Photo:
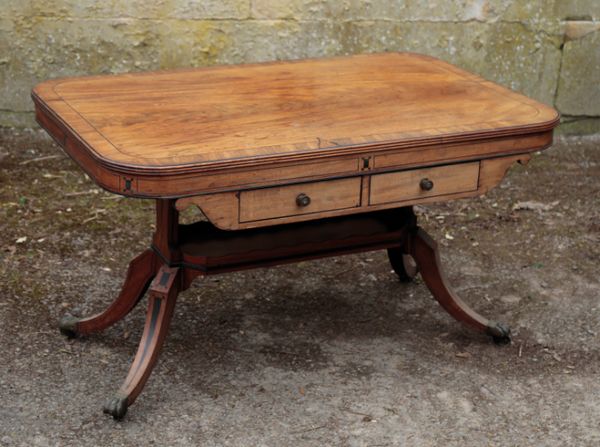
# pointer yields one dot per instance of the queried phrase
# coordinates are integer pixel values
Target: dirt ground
(334, 352)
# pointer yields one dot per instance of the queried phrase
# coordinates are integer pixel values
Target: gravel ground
(333, 352)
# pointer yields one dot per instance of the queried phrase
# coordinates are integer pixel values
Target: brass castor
(68, 326)
(116, 407)
(500, 333)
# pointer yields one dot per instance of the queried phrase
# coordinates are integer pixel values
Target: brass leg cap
(68, 326)
(116, 407)
(500, 333)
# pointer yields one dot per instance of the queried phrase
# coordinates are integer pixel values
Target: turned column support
(166, 236)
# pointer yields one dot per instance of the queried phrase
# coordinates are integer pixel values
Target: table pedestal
(180, 253)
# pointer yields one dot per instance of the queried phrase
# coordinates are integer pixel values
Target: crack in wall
(558, 76)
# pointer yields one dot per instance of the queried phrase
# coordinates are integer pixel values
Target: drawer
(421, 183)
(299, 199)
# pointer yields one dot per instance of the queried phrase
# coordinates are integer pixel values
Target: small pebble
(486, 393)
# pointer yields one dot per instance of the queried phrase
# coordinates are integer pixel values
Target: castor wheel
(500, 333)
(404, 265)
(68, 326)
(116, 407)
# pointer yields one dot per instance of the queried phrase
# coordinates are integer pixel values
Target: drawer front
(296, 200)
(421, 183)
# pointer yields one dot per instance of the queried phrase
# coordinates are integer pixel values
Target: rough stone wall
(547, 49)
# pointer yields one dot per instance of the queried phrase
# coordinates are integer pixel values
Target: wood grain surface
(392, 186)
(232, 116)
(280, 201)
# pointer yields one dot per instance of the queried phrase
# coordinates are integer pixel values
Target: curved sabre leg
(425, 252)
(161, 302)
(139, 275)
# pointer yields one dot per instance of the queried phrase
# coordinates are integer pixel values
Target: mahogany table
(288, 161)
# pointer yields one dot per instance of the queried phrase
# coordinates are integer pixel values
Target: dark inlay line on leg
(155, 312)
(164, 279)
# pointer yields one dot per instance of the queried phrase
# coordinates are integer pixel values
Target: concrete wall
(548, 49)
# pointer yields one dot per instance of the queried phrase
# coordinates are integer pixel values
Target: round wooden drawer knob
(302, 200)
(426, 184)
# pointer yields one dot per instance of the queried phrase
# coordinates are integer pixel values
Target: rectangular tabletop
(200, 119)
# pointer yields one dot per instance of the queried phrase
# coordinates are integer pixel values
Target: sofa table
(288, 161)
